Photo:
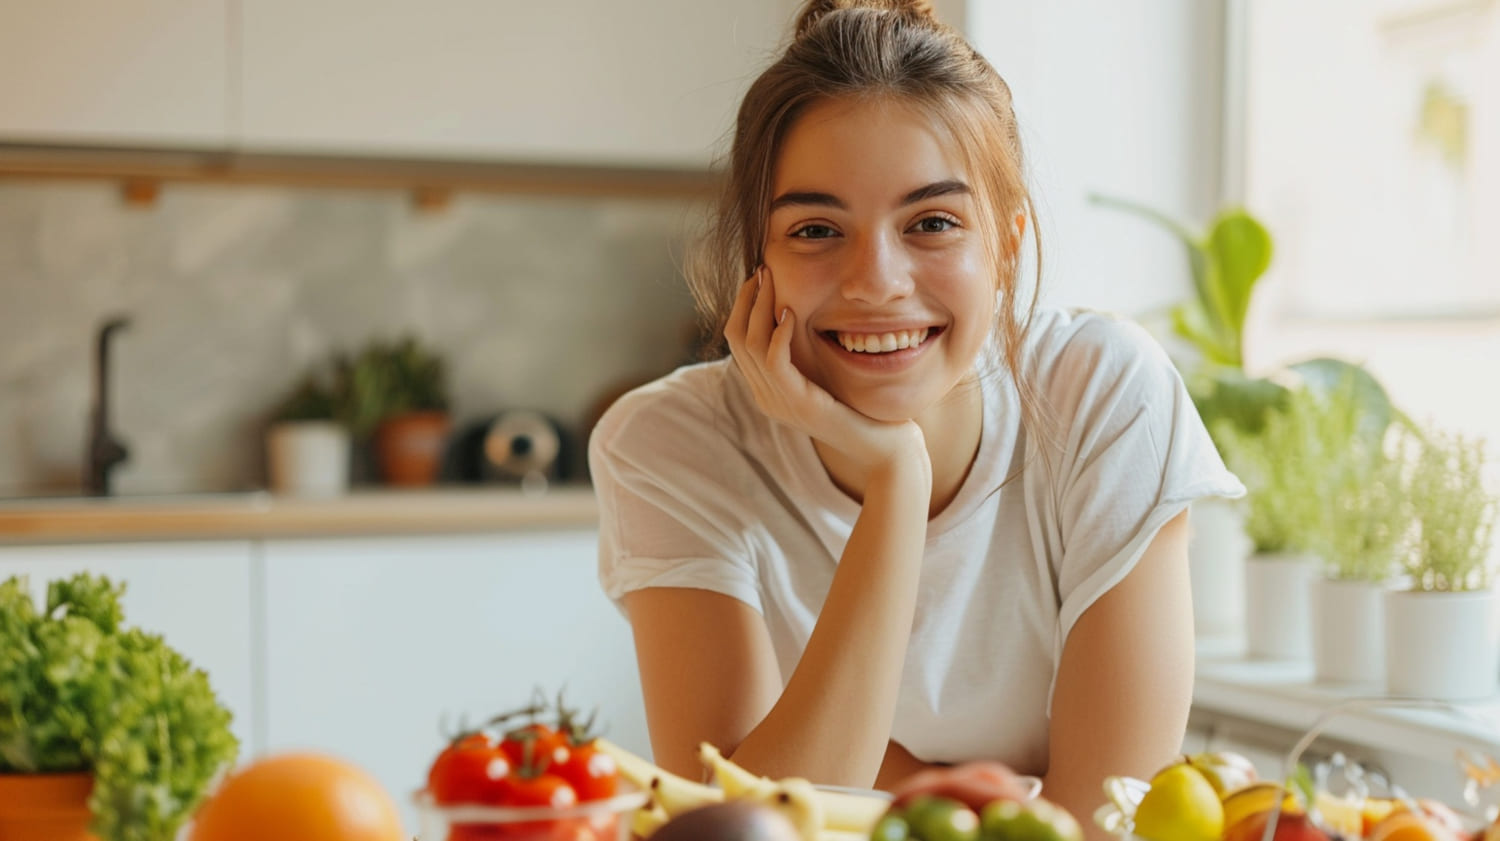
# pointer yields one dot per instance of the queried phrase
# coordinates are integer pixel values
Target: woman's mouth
(878, 343)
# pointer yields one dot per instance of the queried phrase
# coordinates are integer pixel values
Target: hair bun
(814, 10)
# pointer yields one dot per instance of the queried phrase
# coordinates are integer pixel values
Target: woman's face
(873, 242)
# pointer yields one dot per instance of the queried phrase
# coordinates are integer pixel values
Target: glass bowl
(593, 820)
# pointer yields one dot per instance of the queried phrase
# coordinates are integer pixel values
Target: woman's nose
(878, 271)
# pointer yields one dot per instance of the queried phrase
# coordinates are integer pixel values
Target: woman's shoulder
(690, 407)
(1085, 361)
(1083, 343)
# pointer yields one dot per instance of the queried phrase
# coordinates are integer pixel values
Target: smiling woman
(908, 521)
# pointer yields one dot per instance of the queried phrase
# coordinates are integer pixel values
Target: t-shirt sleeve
(1136, 455)
(667, 516)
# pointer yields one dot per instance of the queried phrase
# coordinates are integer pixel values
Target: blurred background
(268, 196)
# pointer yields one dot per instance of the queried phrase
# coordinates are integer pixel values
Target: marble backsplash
(538, 303)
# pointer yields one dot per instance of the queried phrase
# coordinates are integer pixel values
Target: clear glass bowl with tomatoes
(530, 783)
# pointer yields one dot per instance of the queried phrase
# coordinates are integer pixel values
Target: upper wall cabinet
(120, 73)
(584, 82)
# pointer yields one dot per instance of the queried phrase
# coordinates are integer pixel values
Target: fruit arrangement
(1220, 797)
(743, 805)
(538, 773)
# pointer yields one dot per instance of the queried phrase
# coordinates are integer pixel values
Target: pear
(1181, 805)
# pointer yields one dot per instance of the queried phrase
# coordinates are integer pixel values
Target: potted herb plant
(397, 394)
(1282, 466)
(1442, 640)
(307, 446)
(1365, 522)
(105, 732)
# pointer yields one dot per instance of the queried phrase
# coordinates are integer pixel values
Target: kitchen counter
(1284, 694)
(265, 515)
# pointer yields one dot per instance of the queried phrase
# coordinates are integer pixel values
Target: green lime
(1037, 820)
(892, 827)
(941, 819)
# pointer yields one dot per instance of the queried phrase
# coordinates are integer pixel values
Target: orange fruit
(1404, 825)
(298, 797)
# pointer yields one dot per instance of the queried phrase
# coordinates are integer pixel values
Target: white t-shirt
(698, 488)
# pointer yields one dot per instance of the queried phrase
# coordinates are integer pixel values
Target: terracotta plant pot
(409, 447)
(45, 807)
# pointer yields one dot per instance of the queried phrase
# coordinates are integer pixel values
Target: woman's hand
(760, 338)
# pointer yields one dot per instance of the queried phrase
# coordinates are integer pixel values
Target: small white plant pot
(1444, 646)
(1278, 596)
(308, 458)
(1217, 550)
(1348, 631)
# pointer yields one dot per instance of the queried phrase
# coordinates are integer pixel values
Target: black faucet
(104, 450)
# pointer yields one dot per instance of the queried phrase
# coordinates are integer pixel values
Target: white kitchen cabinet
(125, 72)
(372, 644)
(590, 81)
(197, 596)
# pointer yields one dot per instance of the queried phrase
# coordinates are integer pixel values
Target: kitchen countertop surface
(1285, 694)
(262, 514)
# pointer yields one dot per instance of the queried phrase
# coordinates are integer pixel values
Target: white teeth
(882, 342)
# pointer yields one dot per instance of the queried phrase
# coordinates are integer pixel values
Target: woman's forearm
(832, 723)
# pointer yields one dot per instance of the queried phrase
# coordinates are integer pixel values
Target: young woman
(907, 522)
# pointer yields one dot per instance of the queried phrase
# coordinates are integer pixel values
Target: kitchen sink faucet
(104, 450)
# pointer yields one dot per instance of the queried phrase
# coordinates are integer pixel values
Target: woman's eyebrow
(825, 199)
(935, 189)
(806, 197)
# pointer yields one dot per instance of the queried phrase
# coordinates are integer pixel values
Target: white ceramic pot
(1348, 628)
(308, 458)
(1278, 596)
(1216, 567)
(1444, 646)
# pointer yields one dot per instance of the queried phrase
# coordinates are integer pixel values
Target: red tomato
(548, 747)
(475, 832)
(540, 790)
(592, 773)
(470, 771)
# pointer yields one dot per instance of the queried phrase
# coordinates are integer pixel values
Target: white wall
(1124, 99)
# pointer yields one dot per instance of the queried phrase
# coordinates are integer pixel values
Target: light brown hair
(861, 50)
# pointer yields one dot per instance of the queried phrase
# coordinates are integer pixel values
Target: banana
(796, 799)
(670, 793)
(817, 815)
(841, 812)
(648, 819)
(735, 780)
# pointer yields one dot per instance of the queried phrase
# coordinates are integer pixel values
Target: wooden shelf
(427, 177)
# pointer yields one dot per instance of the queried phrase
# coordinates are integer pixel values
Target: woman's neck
(952, 429)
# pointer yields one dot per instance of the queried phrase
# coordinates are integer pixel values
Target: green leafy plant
(1226, 263)
(1366, 519)
(387, 379)
(311, 400)
(1453, 512)
(80, 693)
(1282, 466)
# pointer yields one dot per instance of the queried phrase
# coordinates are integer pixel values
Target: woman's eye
(935, 224)
(813, 232)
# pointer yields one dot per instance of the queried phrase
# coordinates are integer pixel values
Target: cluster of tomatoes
(533, 765)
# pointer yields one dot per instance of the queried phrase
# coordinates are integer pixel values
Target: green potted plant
(1226, 261)
(397, 394)
(307, 446)
(1364, 522)
(105, 731)
(1282, 466)
(1441, 635)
